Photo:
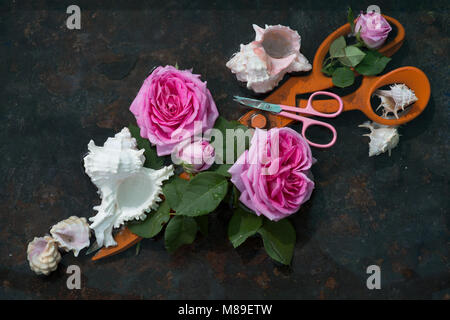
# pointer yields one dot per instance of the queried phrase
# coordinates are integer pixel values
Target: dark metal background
(60, 88)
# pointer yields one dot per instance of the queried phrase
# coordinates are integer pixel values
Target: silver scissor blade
(258, 104)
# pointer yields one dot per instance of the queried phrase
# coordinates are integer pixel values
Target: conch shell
(127, 189)
(43, 255)
(397, 98)
(382, 138)
(263, 62)
(71, 234)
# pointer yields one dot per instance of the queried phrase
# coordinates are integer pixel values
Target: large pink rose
(274, 176)
(373, 28)
(173, 105)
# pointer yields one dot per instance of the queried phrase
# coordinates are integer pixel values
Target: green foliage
(337, 47)
(154, 222)
(179, 231)
(222, 169)
(352, 56)
(343, 77)
(242, 225)
(151, 157)
(351, 19)
(202, 194)
(279, 240)
(173, 190)
(372, 64)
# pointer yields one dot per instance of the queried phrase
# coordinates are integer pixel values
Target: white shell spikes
(128, 190)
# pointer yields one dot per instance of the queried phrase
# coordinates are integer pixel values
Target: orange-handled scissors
(285, 111)
(359, 100)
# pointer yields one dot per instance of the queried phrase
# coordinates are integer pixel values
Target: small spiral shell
(43, 255)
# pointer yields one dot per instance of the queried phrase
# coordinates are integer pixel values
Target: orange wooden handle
(125, 239)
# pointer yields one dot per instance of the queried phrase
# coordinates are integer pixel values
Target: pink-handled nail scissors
(285, 111)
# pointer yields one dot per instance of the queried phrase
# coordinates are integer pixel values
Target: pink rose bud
(373, 29)
(195, 157)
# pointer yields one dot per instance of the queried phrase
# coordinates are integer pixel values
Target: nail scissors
(290, 112)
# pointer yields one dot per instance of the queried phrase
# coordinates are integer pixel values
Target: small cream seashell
(71, 234)
(43, 255)
(127, 189)
(263, 62)
(382, 138)
(397, 98)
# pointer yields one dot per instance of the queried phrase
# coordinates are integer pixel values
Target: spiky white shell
(127, 189)
(263, 62)
(397, 98)
(382, 138)
(71, 234)
(43, 255)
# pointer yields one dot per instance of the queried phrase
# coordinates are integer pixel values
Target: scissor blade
(258, 104)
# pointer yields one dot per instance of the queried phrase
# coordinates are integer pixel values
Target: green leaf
(203, 194)
(279, 240)
(372, 64)
(242, 225)
(154, 222)
(173, 191)
(337, 46)
(352, 56)
(351, 19)
(343, 77)
(202, 223)
(330, 67)
(179, 231)
(222, 169)
(151, 157)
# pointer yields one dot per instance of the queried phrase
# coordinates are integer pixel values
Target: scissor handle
(311, 122)
(310, 109)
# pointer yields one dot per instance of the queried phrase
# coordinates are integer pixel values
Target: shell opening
(39, 247)
(134, 192)
(65, 237)
(277, 44)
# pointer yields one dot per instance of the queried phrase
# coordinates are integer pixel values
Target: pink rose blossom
(373, 28)
(274, 176)
(195, 157)
(171, 106)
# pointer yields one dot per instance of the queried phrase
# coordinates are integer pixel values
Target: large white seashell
(382, 138)
(263, 62)
(71, 234)
(397, 98)
(43, 255)
(127, 189)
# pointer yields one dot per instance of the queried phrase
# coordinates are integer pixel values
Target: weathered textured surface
(60, 88)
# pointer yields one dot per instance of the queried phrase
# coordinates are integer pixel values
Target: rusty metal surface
(60, 88)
